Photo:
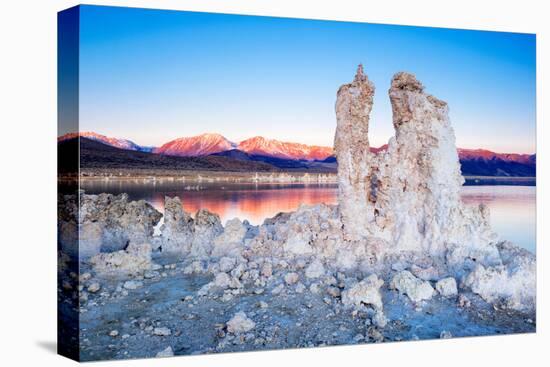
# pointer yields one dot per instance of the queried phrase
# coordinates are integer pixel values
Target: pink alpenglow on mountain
(487, 154)
(114, 142)
(195, 146)
(274, 148)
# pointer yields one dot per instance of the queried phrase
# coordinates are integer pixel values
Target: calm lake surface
(513, 208)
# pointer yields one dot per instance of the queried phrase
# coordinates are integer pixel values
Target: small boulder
(278, 289)
(291, 278)
(240, 323)
(132, 284)
(447, 287)
(227, 264)
(379, 319)
(136, 258)
(366, 291)
(416, 289)
(94, 287)
(511, 285)
(162, 331)
(445, 335)
(222, 280)
(266, 270)
(315, 270)
(334, 292)
(168, 352)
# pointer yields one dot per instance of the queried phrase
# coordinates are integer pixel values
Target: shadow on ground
(48, 345)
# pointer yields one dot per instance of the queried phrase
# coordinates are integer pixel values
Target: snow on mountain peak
(114, 142)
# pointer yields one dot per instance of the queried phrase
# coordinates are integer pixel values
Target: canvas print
(234, 183)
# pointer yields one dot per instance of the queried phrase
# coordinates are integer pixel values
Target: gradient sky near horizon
(154, 75)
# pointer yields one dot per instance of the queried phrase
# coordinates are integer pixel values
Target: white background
(28, 180)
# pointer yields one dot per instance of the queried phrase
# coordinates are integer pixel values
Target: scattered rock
(151, 274)
(136, 258)
(315, 269)
(94, 287)
(168, 352)
(227, 264)
(262, 304)
(417, 290)
(84, 277)
(222, 280)
(445, 335)
(162, 331)
(447, 287)
(430, 273)
(379, 319)
(366, 291)
(291, 278)
(132, 284)
(240, 323)
(267, 270)
(278, 289)
(314, 288)
(334, 292)
(464, 301)
(512, 284)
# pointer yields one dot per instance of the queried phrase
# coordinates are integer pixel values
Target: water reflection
(513, 208)
(513, 211)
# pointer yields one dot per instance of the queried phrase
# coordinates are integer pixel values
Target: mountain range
(292, 156)
(114, 142)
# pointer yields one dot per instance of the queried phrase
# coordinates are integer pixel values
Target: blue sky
(154, 75)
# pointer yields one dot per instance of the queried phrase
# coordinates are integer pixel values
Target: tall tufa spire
(360, 75)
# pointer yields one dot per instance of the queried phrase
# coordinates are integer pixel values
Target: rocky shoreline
(399, 258)
(144, 315)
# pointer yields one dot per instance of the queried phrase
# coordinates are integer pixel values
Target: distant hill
(498, 166)
(94, 154)
(281, 163)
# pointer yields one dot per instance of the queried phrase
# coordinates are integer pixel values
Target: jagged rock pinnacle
(406, 81)
(351, 146)
(359, 75)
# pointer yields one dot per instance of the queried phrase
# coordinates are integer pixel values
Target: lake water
(513, 208)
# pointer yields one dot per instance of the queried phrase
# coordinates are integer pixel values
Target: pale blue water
(513, 211)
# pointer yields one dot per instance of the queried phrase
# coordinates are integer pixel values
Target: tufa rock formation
(89, 224)
(352, 149)
(408, 195)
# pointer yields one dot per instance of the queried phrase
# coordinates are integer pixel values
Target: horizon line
(259, 136)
